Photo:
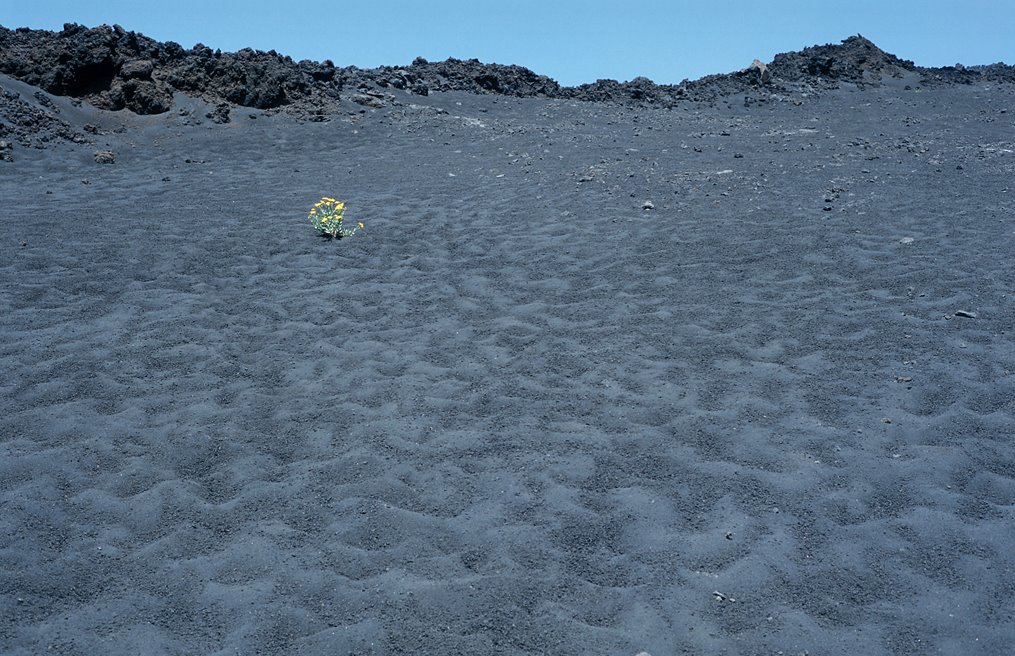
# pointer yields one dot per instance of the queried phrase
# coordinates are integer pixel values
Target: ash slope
(116, 69)
(519, 414)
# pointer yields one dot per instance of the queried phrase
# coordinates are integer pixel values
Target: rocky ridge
(114, 69)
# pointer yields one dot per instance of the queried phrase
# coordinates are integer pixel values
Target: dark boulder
(146, 96)
(220, 114)
(140, 69)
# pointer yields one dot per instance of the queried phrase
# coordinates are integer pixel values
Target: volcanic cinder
(723, 367)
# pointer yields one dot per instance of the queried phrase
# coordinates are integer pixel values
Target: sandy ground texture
(723, 379)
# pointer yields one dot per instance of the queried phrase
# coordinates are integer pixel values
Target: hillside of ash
(115, 69)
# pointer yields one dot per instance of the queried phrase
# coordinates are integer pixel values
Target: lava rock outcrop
(115, 69)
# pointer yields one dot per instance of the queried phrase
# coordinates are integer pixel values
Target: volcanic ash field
(723, 367)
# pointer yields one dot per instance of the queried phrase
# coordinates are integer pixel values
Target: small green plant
(326, 215)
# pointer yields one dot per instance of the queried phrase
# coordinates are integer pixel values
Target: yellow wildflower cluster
(327, 215)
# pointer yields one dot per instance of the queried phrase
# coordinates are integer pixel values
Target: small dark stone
(964, 313)
(104, 157)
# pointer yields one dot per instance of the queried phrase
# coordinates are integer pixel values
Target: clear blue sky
(569, 40)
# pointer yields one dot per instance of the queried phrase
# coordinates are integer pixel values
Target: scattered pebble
(964, 313)
(906, 240)
(104, 157)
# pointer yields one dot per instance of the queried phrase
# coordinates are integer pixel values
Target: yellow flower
(360, 224)
(324, 220)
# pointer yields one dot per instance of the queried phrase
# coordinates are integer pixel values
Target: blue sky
(571, 41)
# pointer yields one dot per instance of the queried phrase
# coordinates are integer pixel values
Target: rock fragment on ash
(140, 96)
(104, 157)
(220, 114)
(6, 151)
(367, 100)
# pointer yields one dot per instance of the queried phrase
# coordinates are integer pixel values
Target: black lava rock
(115, 69)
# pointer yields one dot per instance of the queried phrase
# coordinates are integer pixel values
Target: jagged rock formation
(856, 60)
(115, 69)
